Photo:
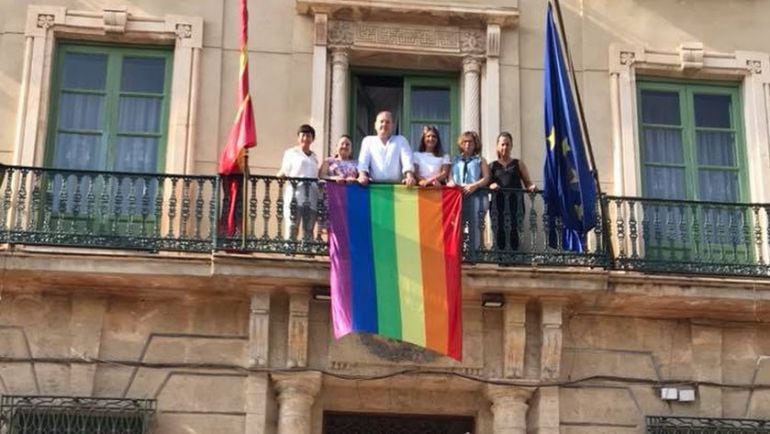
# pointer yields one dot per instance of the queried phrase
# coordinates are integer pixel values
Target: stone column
(509, 408)
(319, 81)
(339, 109)
(471, 86)
(296, 393)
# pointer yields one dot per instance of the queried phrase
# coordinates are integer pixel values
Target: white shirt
(296, 164)
(429, 165)
(385, 163)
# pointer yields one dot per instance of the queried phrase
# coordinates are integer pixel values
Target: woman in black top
(508, 173)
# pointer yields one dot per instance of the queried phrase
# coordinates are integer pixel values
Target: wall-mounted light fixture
(492, 300)
(321, 293)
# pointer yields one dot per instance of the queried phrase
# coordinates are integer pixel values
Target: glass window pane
(136, 154)
(81, 111)
(718, 185)
(84, 71)
(443, 134)
(663, 145)
(430, 103)
(716, 148)
(78, 151)
(143, 74)
(660, 107)
(712, 111)
(664, 183)
(139, 114)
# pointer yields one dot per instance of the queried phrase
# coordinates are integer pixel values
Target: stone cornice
(503, 16)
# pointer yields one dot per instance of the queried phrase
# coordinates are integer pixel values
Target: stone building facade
(231, 341)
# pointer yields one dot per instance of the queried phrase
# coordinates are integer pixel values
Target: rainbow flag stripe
(395, 263)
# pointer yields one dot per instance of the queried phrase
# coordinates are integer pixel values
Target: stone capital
(503, 395)
(340, 57)
(471, 65)
(296, 384)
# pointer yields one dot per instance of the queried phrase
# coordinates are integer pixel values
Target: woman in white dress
(431, 163)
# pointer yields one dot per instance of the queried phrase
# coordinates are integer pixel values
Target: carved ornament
(45, 21)
(115, 20)
(627, 58)
(183, 31)
(439, 39)
(754, 66)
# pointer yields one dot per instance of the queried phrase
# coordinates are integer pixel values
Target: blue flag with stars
(570, 191)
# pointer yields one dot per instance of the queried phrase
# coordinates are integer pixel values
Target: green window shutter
(691, 141)
(431, 101)
(109, 108)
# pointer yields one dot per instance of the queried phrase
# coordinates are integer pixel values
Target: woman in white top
(300, 162)
(431, 163)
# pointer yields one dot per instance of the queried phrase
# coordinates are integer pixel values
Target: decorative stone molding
(296, 393)
(493, 40)
(457, 12)
(751, 69)
(183, 31)
(321, 28)
(299, 305)
(115, 20)
(47, 23)
(367, 35)
(754, 66)
(691, 55)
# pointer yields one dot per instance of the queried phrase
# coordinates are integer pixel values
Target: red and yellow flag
(243, 134)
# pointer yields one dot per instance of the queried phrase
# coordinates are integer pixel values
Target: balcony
(157, 212)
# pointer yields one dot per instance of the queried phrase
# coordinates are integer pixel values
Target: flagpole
(244, 196)
(588, 146)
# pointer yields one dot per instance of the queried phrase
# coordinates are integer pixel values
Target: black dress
(508, 206)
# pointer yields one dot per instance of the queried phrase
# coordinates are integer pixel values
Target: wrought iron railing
(59, 414)
(702, 425)
(40, 206)
(690, 237)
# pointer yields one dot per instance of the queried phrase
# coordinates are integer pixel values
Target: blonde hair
(472, 135)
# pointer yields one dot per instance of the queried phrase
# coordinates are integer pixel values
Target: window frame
(112, 92)
(411, 78)
(686, 90)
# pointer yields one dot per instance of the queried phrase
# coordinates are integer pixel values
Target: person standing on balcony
(300, 162)
(471, 172)
(431, 164)
(508, 177)
(385, 157)
(341, 167)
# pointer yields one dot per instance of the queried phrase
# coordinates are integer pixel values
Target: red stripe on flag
(451, 200)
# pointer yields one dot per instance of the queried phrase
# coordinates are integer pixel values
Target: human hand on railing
(409, 180)
(351, 179)
(494, 186)
(363, 179)
(532, 188)
(451, 184)
(469, 189)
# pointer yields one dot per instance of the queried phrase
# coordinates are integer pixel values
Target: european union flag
(570, 191)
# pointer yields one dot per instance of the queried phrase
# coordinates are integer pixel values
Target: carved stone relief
(443, 39)
(45, 21)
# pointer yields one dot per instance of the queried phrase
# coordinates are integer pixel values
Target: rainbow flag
(395, 263)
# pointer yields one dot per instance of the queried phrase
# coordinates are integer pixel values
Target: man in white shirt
(385, 157)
